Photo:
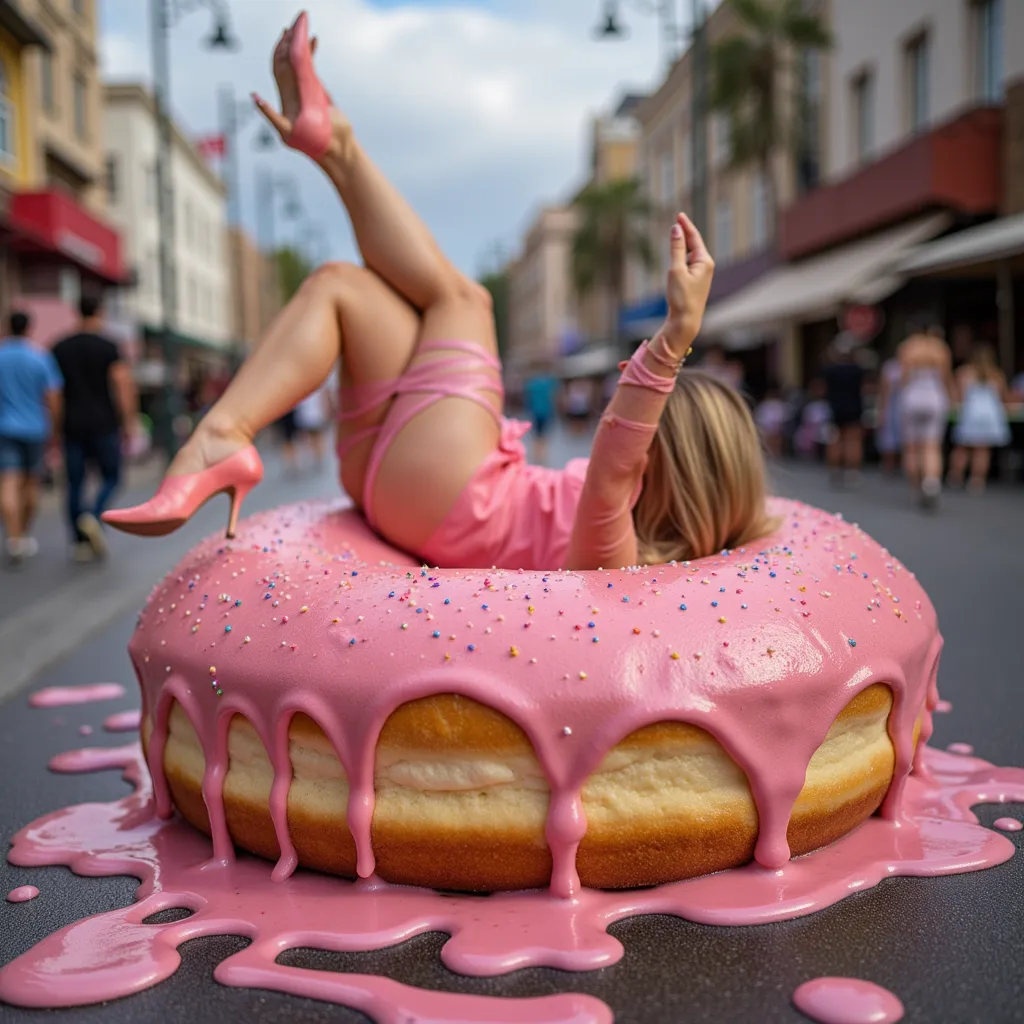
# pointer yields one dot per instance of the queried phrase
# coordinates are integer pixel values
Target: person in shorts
(30, 406)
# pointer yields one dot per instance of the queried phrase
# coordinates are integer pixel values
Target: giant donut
(313, 696)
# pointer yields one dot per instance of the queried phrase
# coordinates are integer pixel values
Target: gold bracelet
(674, 365)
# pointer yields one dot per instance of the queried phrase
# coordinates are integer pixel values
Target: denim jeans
(104, 452)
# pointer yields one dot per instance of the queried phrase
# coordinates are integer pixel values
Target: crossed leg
(376, 319)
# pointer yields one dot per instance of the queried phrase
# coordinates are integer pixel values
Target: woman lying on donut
(676, 469)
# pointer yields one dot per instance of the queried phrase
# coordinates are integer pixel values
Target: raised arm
(603, 534)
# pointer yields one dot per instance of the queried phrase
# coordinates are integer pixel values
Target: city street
(947, 946)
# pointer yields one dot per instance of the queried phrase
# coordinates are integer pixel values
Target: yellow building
(54, 242)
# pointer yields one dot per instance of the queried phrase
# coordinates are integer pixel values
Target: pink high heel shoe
(180, 497)
(311, 130)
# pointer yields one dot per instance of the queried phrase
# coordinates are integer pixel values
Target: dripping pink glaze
(123, 721)
(943, 707)
(847, 1001)
(115, 954)
(1008, 824)
(22, 894)
(768, 683)
(59, 696)
(960, 748)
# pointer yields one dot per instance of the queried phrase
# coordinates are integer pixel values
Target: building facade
(254, 284)
(203, 320)
(54, 239)
(547, 318)
(542, 303)
(920, 98)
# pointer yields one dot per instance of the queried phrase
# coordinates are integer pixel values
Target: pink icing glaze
(847, 1001)
(123, 721)
(761, 647)
(1008, 824)
(58, 696)
(85, 730)
(960, 748)
(22, 894)
(115, 954)
(943, 707)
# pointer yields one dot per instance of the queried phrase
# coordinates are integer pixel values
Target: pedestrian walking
(30, 402)
(844, 392)
(925, 394)
(982, 423)
(887, 429)
(100, 412)
(313, 415)
(540, 393)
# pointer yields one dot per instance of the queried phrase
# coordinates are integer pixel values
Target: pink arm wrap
(603, 535)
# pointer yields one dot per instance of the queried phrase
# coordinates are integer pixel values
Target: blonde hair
(983, 360)
(704, 486)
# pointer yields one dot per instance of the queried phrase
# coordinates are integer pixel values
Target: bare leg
(11, 503)
(912, 463)
(393, 240)
(957, 466)
(981, 459)
(931, 468)
(29, 501)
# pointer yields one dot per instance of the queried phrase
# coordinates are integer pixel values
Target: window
(80, 100)
(46, 81)
(111, 178)
(723, 140)
(6, 119)
(918, 64)
(723, 231)
(667, 177)
(759, 212)
(808, 163)
(687, 161)
(191, 302)
(189, 224)
(864, 115)
(988, 50)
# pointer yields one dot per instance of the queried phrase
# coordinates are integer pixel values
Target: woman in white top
(981, 424)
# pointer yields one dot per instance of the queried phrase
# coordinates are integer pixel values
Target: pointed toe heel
(180, 497)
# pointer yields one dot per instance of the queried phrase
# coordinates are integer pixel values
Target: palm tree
(758, 80)
(613, 218)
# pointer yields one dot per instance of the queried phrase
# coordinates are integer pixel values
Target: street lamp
(673, 40)
(164, 15)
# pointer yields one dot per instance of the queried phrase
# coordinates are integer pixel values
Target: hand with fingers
(689, 281)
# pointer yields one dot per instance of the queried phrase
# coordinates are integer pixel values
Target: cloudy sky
(477, 109)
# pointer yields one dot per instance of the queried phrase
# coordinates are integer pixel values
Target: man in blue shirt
(30, 398)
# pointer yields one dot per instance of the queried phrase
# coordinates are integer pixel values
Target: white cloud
(478, 114)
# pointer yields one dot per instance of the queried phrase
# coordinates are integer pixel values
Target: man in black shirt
(100, 406)
(844, 381)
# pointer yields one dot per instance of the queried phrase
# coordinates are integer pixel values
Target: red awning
(54, 222)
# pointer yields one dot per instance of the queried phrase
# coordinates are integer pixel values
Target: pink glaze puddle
(85, 730)
(22, 894)
(943, 707)
(123, 721)
(960, 748)
(114, 954)
(60, 696)
(1008, 824)
(847, 1001)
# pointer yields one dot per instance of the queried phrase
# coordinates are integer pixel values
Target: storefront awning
(987, 243)
(643, 318)
(52, 222)
(22, 29)
(814, 288)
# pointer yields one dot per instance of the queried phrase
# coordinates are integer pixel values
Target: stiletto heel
(180, 497)
(311, 130)
(237, 494)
